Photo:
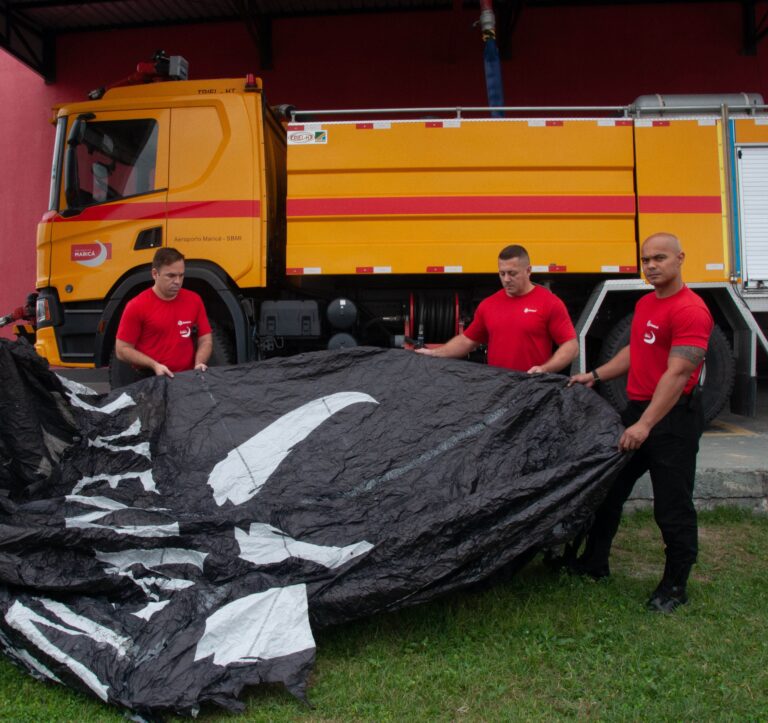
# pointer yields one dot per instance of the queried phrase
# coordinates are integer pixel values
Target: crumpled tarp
(174, 541)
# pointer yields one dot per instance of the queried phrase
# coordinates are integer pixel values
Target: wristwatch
(595, 375)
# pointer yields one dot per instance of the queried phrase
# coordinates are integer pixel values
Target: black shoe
(588, 568)
(667, 599)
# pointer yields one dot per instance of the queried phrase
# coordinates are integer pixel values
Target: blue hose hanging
(493, 84)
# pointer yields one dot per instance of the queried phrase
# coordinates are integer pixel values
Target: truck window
(58, 150)
(111, 160)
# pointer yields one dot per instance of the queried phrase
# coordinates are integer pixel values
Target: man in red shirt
(521, 323)
(156, 331)
(664, 419)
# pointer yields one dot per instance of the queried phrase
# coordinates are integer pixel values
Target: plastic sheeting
(174, 541)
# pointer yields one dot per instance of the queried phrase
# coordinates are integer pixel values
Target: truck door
(752, 163)
(111, 215)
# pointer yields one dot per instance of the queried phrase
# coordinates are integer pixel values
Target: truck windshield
(109, 160)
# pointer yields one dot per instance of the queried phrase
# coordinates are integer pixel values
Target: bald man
(664, 419)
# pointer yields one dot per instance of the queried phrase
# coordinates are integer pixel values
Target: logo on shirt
(186, 331)
(649, 337)
(526, 310)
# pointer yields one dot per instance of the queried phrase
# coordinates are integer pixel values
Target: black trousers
(669, 454)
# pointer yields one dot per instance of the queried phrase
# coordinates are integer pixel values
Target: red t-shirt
(162, 329)
(520, 330)
(659, 324)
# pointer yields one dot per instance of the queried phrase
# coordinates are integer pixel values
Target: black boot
(670, 593)
(667, 598)
(593, 562)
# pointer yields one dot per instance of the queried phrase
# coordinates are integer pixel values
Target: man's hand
(425, 351)
(161, 370)
(634, 436)
(587, 379)
(537, 370)
(201, 367)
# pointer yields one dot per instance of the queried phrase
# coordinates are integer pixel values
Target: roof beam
(259, 27)
(754, 31)
(507, 15)
(27, 43)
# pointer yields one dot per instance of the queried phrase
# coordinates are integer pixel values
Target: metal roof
(28, 28)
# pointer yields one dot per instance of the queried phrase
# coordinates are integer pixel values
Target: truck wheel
(717, 374)
(120, 373)
(223, 349)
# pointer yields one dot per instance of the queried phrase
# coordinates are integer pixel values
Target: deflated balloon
(174, 541)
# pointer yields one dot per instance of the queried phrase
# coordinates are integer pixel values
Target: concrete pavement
(732, 464)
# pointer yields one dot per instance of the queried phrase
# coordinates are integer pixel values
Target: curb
(744, 488)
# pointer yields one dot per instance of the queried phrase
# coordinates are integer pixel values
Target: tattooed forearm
(693, 354)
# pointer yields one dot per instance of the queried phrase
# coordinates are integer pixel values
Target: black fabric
(669, 454)
(184, 533)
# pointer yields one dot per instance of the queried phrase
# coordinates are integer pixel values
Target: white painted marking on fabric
(35, 664)
(122, 402)
(152, 559)
(242, 473)
(26, 621)
(150, 609)
(266, 545)
(134, 530)
(261, 626)
(88, 627)
(76, 387)
(113, 480)
(141, 449)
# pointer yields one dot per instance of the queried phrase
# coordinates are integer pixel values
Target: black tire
(223, 349)
(122, 374)
(718, 374)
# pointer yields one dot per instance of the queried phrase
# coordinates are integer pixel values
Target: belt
(684, 401)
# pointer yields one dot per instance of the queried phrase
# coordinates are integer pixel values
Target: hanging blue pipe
(491, 61)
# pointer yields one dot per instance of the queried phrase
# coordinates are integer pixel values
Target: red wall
(588, 55)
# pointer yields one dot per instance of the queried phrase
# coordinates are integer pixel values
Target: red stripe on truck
(141, 210)
(413, 205)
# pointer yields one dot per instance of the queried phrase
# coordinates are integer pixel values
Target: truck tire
(122, 374)
(223, 349)
(717, 374)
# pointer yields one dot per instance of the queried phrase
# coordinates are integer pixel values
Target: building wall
(605, 55)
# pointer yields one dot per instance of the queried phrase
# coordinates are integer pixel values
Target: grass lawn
(539, 646)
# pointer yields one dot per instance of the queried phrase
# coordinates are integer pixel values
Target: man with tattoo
(664, 419)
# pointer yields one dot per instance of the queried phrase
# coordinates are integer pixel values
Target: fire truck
(308, 230)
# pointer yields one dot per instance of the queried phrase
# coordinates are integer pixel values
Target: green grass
(539, 646)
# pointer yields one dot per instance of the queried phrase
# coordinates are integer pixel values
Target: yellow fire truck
(327, 229)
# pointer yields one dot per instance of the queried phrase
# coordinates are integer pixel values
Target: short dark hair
(165, 257)
(515, 251)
